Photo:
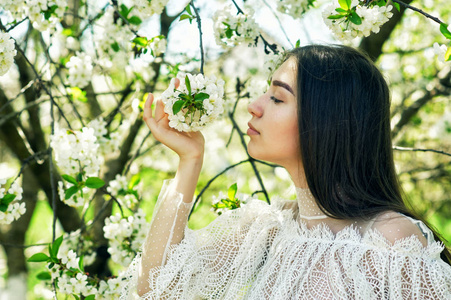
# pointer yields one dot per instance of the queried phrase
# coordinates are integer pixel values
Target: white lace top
(263, 251)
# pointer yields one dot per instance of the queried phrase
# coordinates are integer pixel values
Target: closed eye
(276, 100)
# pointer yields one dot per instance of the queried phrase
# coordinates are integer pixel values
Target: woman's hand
(188, 145)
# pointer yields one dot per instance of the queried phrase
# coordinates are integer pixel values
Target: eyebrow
(284, 85)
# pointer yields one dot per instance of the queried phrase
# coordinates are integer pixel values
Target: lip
(252, 130)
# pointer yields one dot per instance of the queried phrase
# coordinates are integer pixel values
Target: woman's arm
(175, 202)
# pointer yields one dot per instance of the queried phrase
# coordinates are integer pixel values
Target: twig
(9, 116)
(419, 11)
(238, 8)
(213, 179)
(23, 90)
(422, 150)
(199, 26)
(280, 23)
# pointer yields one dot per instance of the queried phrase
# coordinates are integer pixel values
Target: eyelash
(276, 100)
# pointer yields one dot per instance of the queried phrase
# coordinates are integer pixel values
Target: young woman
(325, 118)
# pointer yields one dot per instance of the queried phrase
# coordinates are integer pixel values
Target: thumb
(176, 83)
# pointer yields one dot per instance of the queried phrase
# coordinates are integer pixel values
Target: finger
(176, 83)
(147, 114)
(159, 110)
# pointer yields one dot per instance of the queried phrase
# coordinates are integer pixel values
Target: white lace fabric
(260, 251)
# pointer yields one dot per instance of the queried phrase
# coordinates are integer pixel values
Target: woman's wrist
(187, 176)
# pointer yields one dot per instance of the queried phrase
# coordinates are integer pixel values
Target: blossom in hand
(197, 102)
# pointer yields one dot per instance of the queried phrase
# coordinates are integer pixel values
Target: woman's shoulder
(395, 227)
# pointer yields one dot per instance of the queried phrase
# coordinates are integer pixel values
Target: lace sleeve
(166, 229)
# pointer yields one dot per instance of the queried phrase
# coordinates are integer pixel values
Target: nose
(255, 108)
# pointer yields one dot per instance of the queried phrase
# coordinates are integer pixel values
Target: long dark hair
(345, 136)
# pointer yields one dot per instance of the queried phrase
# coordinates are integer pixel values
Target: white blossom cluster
(440, 50)
(74, 240)
(158, 45)
(212, 106)
(7, 52)
(77, 199)
(14, 7)
(243, 198)
(294, 8)
(76, 151)
(232, 29)
(15, 209)
(145, 8)
(372, 19)
(112, 41)
(79, 283)
(36, 10)
(125, 235)
(118, 188)
(272, 62)
(108, 142)
(80, 70)
(256, 88)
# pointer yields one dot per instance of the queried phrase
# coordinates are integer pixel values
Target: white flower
(75, 150)
(7, 52)
(294, 8)
(158, 45)
(372, 17)
(15, 209)
(70, 259)
(145, 8)
(440, 51)
(193, 118)
(125, 236)
(35, 9)
(232, 29)
(80, 70)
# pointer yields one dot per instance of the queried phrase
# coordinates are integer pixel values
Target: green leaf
(44, 276)
(201, 96)
(94, 183)
(177, 106)
(134, 181)
(70, 192)
(444, 30)
(7, 199)
(90, 297)
(229, 33)
(298, 43)
(355, 18)
(345, 4)
(124, 11)
(333, 17)
(140, 40)
(341, 10)
(3, 207)
(80, 264)
(69, 179)
(188, 9)
(135, 20)
(232, 191)
(38, 257)
(448, 54)
(184, 17)
(78, 94)
(115, 46)
(397, 6)
(188, 84)
(56, 246)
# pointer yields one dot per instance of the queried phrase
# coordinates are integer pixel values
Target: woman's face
(273, 128)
